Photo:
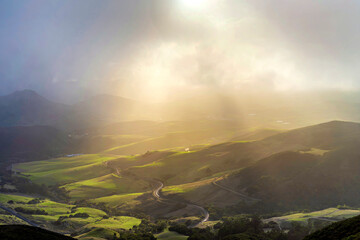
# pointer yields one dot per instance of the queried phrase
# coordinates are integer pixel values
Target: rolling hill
(343, 230)
(324, 175)
(315, 167)
(312, 167)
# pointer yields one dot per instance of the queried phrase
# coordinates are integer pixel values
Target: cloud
(153, 48)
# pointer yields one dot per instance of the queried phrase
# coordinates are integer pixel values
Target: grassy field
(186, 188)
(98, 233)
(170, 140)
(4, 198)
(121, 200)
(105, 185)
(6, 219)
(169, 235)
(333, 214)
(316, 151)
(115, 223)
(186, 167)
(96, 218)
(66, 170)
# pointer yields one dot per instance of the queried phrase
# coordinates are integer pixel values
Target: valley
(177, 173)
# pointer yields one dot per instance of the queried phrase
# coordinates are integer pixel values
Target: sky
(152, 49)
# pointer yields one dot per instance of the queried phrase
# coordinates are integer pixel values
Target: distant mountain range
(27, 108)
(32, 143)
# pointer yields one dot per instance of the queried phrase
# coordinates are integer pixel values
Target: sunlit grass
(169, 235)
(333, 213)
(66, 170)
(316, 151)
(62, 163)
(6, 219)
(55, 210)
(184, 188)
(105, 185)
(129, 200)
(4, 198)
(116, 223)
(101, 233)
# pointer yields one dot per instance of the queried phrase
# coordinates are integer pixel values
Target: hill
(66, 170)
(327, 135)
(137, 137)
(27, 108)
(322, 172)
(208, 160)
(313, 167)
(30, 143)
(343, 230)
(16, 232)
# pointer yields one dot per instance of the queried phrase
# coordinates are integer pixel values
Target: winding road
(156, 194)
(156, 191)
(14, 213)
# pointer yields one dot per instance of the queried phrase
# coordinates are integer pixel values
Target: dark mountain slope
(275, 169)
(232, 155)
(307, 180)
(26, 108)
(18, 232)
(31, 143)
(348, 229)
(324, 136)
(290, 170)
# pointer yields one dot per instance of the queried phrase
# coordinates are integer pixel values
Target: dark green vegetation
(17, 232)
(348, 229)
(242, 228)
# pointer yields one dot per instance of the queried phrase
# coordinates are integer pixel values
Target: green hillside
(105, 185)
(67, 169)
(172, 140)
(348, 229)
(303, 179)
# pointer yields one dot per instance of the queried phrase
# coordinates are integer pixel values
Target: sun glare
(193, 4)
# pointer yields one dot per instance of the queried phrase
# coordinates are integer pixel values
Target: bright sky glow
(193, 4)
(71, 49)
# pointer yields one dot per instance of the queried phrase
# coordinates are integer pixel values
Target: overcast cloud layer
(71, 49)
